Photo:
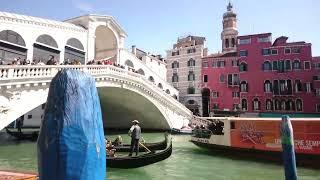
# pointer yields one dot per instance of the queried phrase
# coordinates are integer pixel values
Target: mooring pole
(289, 159)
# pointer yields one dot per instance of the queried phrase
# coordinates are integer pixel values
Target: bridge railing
(10, 74)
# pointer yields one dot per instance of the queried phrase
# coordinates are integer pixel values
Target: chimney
(134, 50)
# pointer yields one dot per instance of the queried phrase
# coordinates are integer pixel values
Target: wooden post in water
(289, 158)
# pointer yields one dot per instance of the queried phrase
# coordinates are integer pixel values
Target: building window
(29, 116)
(283, 105)
(191, 62)
(317, 92)
(215, 106)
(298, 85)
(269, 105)
(296, 65)
(256, 104)
(243, 53)
(205, 64)
(299, 105)
(175, 53)
(233, 79)
(274, 65)
(277, 104)
(233, 42)
(227, 43)
(193, 50)
(175, 78)
(274, 51)
(265, 52)
(287, 65)
(276, 87)
(307, 65)
(205, 78)
(215, 94)
(191, 90)
(264, 39)
(244, 105)
(243, 67)
(281, 66)
(296, 50)
(191, 76)
(245, 41)
(175, 64)
(287, 51)
(221, 63)
(243, 86)
(308, 87)
(235, 94)
(316, 78)
(235, 63)
(317, 65)
(267, 66)
(222, 78)
(318, 108)
(267, 86)
(214, 64)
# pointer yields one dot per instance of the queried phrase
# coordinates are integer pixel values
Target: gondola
(31, 136)
(152, 146)
(144, 159)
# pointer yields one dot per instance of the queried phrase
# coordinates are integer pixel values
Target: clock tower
(230, 31)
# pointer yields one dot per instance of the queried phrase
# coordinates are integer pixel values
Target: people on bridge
(135, 133)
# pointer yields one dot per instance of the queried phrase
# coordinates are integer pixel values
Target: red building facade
(262, 76)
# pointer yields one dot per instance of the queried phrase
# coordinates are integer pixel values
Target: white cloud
(83, 6)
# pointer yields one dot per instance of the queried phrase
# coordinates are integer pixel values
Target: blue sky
(154, 25)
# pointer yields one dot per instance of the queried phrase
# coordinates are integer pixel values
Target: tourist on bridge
(135, 133)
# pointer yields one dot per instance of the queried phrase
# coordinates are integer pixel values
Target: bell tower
(230, 31)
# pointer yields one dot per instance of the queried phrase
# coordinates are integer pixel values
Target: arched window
(12, 46)
(168, 91)
(269, 105)
(287, 65)
(140, 71)
(296, 65)
(277, 104)
(46, 48)
(151, 79)
(191, 76)
(74, 51)
(129, 63)
(175, 64)
(191, 62)
(244, 105)
(160, 86)
(175, 78)
(299, 105)
(267, 86)
(298, 85)
(243, 67)
(283, 105)
(243, 86)
(267, 66)
(227, 43)
(191, 90)
(233, 42)
(256, 104)
(289, 105)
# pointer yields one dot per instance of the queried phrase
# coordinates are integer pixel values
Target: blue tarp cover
(71, 142)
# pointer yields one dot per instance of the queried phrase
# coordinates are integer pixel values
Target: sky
(155, 25)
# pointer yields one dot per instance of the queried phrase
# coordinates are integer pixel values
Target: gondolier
(135, 133)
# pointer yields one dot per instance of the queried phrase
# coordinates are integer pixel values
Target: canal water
(186, 162)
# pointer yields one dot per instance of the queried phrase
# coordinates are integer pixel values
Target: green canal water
(187, 162)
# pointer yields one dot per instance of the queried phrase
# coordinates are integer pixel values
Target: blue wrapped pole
(289, 158)
(71, 143)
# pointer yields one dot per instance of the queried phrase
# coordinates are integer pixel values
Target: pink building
(259, 75)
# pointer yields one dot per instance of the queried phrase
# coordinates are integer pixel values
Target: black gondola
(140, 160)
(31, 136)
(151, 146)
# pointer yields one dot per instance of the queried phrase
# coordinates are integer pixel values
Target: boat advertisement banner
(265, 135)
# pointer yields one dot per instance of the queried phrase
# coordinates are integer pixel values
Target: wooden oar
(144, 146)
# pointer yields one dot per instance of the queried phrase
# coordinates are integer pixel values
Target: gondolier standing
(135, 133)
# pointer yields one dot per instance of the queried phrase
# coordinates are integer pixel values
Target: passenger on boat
(118, 141)
(135, 133)
(110, 149)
